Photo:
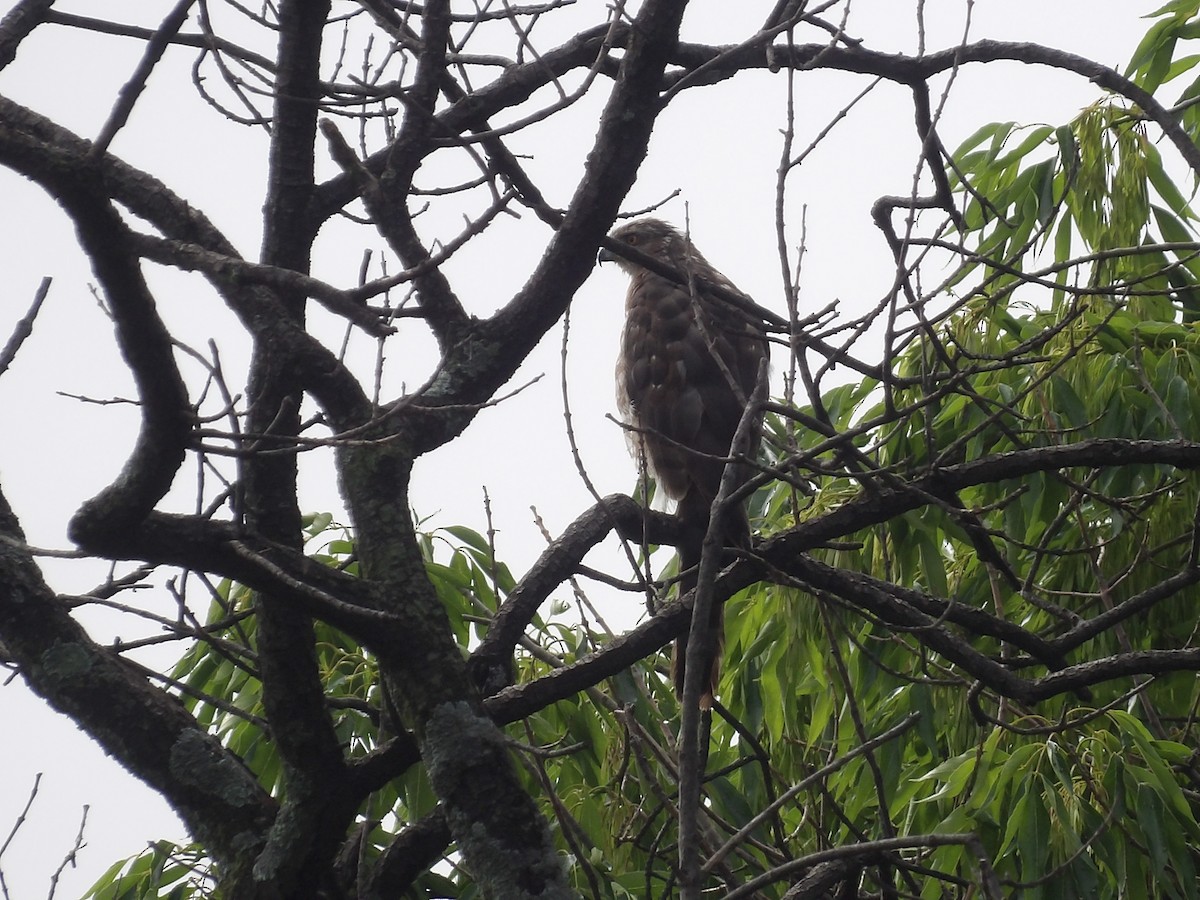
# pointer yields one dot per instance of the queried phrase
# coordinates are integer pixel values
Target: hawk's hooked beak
(606, 255)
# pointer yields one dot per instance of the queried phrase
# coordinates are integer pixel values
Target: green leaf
(820, 716)
(1035, 138)
(1150, 821)
(933, 565)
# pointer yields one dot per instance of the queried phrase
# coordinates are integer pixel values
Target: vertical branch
(317, 810)
(702, 644)
(885, 823)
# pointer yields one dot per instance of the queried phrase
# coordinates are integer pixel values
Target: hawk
(688, 365)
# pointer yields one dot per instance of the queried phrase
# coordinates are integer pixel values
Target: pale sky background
(718, 146)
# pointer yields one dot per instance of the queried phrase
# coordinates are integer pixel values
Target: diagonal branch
(24, 327)
(903, 607)
(389, 210)
(491, 663)
(129, 93)
(146, 730)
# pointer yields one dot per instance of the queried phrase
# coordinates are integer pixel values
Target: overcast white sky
(718, 146)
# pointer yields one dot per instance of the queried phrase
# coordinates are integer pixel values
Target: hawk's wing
(687, 369)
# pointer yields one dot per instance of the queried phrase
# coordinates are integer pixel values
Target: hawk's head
(654, 237)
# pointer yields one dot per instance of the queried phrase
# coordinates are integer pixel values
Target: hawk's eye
(631, 240)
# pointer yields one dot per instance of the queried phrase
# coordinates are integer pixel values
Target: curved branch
(410, 853)
(16, 25)
(910, 70)
(491, 663)
(145, 343)
(890, 604)
(883, 600)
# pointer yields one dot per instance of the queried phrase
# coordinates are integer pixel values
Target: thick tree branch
(17, 24)
(318, 810)
(877, 507)
(143, 728)
(414, 850)
(146, 345)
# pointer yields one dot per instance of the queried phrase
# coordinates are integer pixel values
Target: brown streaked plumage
(688, 365)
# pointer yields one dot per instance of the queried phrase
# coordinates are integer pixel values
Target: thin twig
(24, 326)
(69, 859)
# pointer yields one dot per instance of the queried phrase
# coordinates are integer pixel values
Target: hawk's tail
(693, 520)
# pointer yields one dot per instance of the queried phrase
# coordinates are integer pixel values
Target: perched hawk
(688, 366)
